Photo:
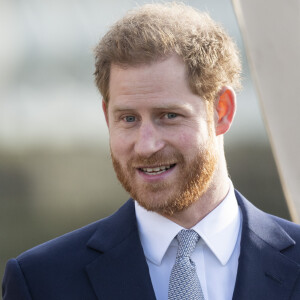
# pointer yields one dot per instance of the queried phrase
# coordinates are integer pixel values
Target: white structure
(271, 31)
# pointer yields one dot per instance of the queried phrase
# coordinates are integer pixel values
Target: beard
(167, 197)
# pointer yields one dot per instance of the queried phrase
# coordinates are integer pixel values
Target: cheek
(184, 139)
(191, 142)
(189, 139)
(119, 143)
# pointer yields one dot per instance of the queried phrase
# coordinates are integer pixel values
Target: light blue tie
(184, 283)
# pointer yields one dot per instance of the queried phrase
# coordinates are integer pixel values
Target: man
(167, 74)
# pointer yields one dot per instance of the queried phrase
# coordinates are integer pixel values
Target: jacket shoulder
(290, 227)
(293, 230)
(76, 242)
(65, 248)
(58, 263)
(59, 266)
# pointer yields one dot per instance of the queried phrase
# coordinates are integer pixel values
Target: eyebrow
(173, 107)
(158, 108)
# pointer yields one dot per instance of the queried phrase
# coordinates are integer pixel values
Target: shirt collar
(219, 230)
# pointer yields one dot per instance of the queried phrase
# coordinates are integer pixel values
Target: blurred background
(55, 169)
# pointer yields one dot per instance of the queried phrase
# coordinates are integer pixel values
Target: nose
(149, 140)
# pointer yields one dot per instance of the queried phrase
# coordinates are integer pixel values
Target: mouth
(156, 170)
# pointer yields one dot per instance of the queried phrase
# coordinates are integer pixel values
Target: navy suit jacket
(105, 260)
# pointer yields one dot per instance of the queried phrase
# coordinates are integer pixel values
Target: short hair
(156, 31)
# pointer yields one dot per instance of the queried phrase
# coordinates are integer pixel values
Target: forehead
(167, 76)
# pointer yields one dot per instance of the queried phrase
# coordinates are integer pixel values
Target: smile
(156, 170)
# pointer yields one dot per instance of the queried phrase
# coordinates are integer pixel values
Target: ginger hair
(156, 31)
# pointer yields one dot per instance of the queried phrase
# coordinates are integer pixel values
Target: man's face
(162, 138)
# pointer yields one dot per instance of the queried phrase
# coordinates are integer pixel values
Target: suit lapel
(264, 271)
(120, 271)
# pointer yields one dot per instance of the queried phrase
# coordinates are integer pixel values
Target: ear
(105, 111)
(225, 109)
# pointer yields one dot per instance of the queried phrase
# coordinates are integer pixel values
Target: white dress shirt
(216, 254)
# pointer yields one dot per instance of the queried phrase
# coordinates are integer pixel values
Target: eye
(129, 119)
(170, 115)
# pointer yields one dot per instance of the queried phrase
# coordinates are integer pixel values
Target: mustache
(156, 159)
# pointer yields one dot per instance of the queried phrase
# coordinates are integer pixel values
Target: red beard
(165, 197)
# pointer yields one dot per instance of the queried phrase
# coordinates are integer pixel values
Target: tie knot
(187, 240)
